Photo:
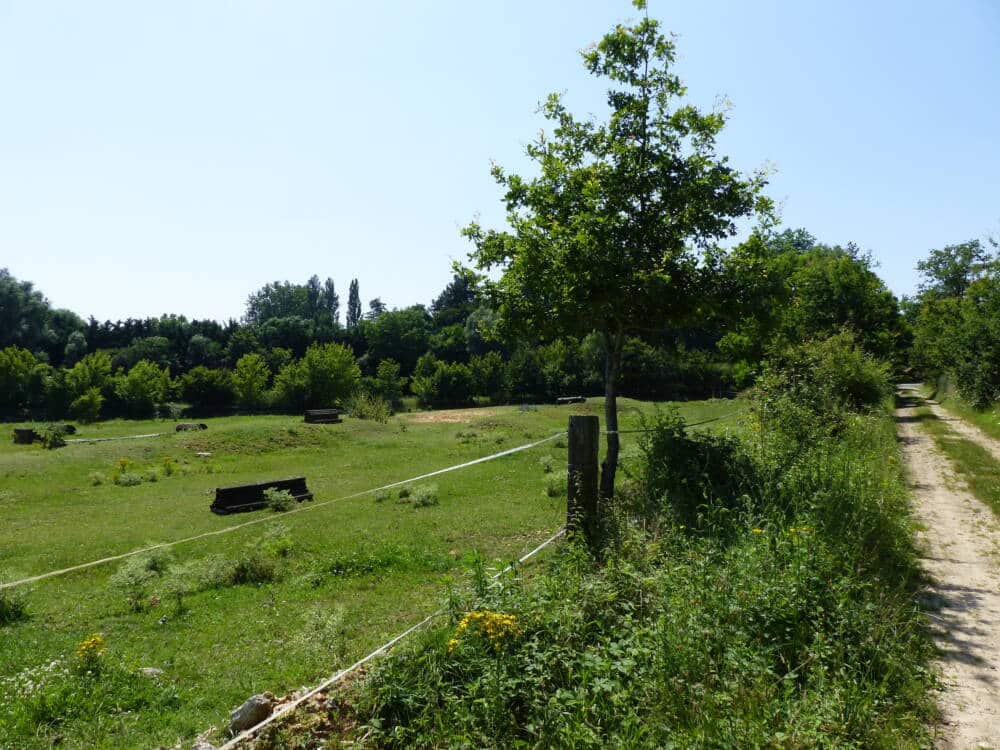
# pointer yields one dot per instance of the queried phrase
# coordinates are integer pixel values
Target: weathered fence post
(582, 478)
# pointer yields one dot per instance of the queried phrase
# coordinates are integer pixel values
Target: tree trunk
(612, 366)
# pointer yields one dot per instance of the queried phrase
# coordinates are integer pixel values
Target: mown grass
(237, 614)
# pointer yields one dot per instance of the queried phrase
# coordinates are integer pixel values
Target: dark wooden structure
(570, 400)
(25, 436)
(183, 426)
(245, 497)
(583, 511)
(323, 416)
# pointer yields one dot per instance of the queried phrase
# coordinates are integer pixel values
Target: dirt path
(965, 429)
(963, 596)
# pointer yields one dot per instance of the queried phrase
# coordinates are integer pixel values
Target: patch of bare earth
(962, 598)
(450, 415)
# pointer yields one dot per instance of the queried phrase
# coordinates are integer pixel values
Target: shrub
(52, 437)
(12, 607)
(555, 486)
(253, 567)
(279, 500)
(442, 384)
(325, 376)
(381, 496)
(96, 478)
(136, 574)
(127, 479)
(277, 540)
(365, 405)
(807, 392)
(87, 407)
(404, 493)
(425, 495)
(546, 464)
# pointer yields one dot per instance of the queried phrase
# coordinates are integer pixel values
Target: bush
(87, 407)
(136, 574)
(324, 377)
(52, 437)
(555, 486)
(807, 392)
(369, 406)
(279, 500)
(253, 567)
(425, 495)
(448, 384)
(12, 607)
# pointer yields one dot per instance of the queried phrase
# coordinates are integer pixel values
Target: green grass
(787, 618)
(975, 464)
(347, 577)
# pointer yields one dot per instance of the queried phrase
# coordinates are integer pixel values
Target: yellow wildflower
(758, 531)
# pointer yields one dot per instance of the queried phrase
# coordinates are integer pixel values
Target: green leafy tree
(325, 376)
(402, 335)
(601, 240)
(93, 371)
(142, 388)
(16, 366)
(250, 381)
(388, 383)
(353, 305)
(207, 389)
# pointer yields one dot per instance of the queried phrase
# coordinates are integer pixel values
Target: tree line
(769, 291)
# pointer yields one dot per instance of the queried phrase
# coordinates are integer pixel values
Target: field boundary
(294, 511)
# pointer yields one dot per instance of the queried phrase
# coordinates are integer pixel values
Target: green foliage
(602, 238)
(136, 575)
(401, 335)
(208, 390)
(13, 607)
(250, 379)
(16, 366)
(807, 391)
(144, 387)
(325, 376)
(425, 495)
(388, 384)
(365, 405)
(37, 702)
(442, 384)
(791, 621)
(785, 289)
(279, 500)
(87, 406)
(53, 436)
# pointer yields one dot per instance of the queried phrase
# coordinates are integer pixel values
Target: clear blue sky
(173, 157)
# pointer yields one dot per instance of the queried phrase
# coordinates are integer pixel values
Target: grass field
(273, 606)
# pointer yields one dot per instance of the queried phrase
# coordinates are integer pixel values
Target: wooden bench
(184, 426)
(562, 400)
(245, 497)
(323, 416)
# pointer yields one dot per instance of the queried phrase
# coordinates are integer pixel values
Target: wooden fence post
(582, 478)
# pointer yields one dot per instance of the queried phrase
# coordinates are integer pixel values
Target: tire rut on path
(962, 597)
